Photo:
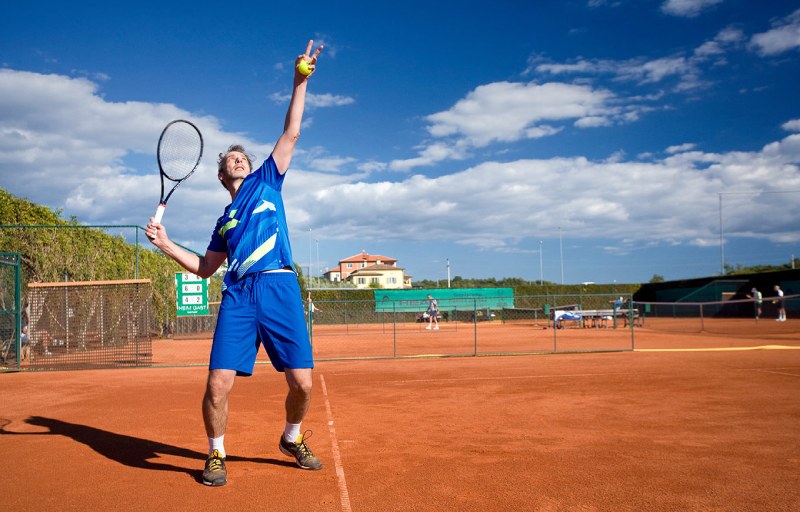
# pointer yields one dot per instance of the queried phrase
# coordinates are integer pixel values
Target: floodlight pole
(310, 260)
(448, 272)
(561, 249)
(721, 240)
(541, 268)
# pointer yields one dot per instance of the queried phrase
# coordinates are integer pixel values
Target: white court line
(509, 377)
(337, 459)
(720, 349)
(773, 370)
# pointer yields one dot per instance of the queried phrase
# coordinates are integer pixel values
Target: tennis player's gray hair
(223, 156)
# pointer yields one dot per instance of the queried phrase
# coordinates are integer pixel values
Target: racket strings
(179, 150)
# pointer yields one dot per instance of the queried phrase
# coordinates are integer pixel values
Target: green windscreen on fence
(461, 299)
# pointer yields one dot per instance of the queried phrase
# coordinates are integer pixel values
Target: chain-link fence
(80, 325)
(13, 342)
(548, 323)
(379, 329)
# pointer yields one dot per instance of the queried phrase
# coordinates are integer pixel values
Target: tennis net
(741, 317)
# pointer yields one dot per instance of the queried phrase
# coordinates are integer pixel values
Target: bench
(594, 317)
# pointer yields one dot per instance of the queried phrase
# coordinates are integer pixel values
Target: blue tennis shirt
(252, 230)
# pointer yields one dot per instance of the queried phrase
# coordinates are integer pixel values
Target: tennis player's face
(236, 164)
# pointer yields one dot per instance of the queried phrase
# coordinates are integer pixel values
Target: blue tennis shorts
(263, 308)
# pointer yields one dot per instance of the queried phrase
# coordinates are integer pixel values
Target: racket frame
(162, 204)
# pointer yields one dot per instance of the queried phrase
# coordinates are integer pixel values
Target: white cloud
(96, 158)
(792, 126)
(639, 70)
(330, 163)
(685, 67)
(672, 199)
(315, 100)
(372, 166)
(428, 156)
(592, 122)
(687, 8)
(681, 148)
(727, 38)
(506, 111)
(784, 36)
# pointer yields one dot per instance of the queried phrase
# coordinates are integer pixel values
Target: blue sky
(608, 134)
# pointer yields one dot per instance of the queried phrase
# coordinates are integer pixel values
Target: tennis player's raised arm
(284, 148)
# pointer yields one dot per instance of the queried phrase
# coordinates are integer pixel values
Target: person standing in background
(757, 300)
(779, 302)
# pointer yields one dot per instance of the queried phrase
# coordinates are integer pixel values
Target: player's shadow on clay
(131, 451)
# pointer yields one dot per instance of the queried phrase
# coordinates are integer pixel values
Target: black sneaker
(214, 473)
(300, 451)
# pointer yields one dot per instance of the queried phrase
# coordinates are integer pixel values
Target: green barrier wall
(400, 301)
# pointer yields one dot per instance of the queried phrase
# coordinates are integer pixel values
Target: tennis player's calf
(300, 381)
(215, 401)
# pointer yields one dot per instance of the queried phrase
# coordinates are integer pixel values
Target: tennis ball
(303, 68)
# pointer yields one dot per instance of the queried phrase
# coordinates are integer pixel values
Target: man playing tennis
(261, 301)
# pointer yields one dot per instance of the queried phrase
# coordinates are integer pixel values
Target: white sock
(217, 443)
(291, 432)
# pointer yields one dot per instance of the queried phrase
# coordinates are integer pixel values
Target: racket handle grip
(159, 213)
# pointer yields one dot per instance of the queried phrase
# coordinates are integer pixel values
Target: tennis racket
(180, 149)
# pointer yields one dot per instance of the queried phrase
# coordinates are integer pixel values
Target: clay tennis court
(685, 422)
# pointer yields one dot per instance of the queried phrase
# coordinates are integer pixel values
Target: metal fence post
(555, 326)
(475, 326)
(702, 324)
(394, 329)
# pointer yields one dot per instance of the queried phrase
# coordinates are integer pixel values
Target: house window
(349, 265)
(362, 280)
(374, 280)
(363, 264)
(392, 280)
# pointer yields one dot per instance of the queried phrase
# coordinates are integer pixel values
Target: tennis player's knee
(219, 385)
(300, 381)
(301, 390)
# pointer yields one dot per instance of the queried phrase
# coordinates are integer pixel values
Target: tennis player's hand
(310, 59)
(157, 233)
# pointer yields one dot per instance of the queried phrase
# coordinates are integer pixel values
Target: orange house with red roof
(370, 271)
